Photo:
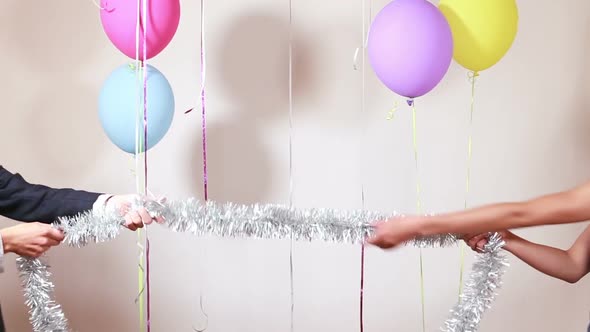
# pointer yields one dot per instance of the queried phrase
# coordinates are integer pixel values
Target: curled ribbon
(101, 7)
(392, 111)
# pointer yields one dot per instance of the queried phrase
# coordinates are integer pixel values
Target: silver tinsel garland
(480, 289)
(262, 221)
(44, 313)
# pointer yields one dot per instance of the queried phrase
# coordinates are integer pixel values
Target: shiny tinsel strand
(44, 313)
(262, 221)
(267, 221)
(96, 226)
(480, 289)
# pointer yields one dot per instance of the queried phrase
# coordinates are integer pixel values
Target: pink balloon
(119, 20)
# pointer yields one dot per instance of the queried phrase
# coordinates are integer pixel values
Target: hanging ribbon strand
(291, 265)
(411, 103)
(145, 159)
(97, 5)
(139, 151)
(391, 113)
(203, 103)
(472, 79)
(202, 97)
(364, 40)
(203, 63)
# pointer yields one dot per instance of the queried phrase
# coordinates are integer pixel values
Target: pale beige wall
(531, 136)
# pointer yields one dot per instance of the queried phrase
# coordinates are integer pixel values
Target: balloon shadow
(254, 68)
(238, 167)
(38, 39)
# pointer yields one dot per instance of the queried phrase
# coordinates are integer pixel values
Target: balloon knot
(472, 75)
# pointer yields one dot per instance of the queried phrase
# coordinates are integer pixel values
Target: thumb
(55, 234)
(377, 237)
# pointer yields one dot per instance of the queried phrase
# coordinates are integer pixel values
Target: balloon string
(418, 209)
(292, 284)
(145, 24)
(392, 111)
(472, 79)
(364, 35)
(362, 268)
(203, 108)
(203, 62)
(362, 320)
(139, 147)
(415, 144)
(291, 266)
(290, 102)
(97, 5)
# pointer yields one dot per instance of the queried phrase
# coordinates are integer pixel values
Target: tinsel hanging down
(262, 221)
(44, 313)
(480, 289)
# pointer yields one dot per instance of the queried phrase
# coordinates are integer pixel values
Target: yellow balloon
(483, 30)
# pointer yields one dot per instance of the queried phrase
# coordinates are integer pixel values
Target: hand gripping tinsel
(261, 221)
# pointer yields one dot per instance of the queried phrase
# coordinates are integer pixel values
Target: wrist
(6, 240)
(421, 226)
(102, 201)
(510, 241)
(427, 225)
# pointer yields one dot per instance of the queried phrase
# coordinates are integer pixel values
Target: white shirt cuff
(101, 201)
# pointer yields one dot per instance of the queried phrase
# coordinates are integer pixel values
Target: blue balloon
(120, 98)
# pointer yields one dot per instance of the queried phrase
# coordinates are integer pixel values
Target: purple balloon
(410, 47)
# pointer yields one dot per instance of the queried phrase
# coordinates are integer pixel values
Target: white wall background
(531, 136)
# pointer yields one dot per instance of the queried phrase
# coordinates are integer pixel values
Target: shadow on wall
(40, 37)
(254, 69)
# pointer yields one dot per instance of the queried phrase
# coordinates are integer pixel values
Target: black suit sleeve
(22, 201)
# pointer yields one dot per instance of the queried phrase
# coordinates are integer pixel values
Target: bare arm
(559, 208)
(568, 265)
